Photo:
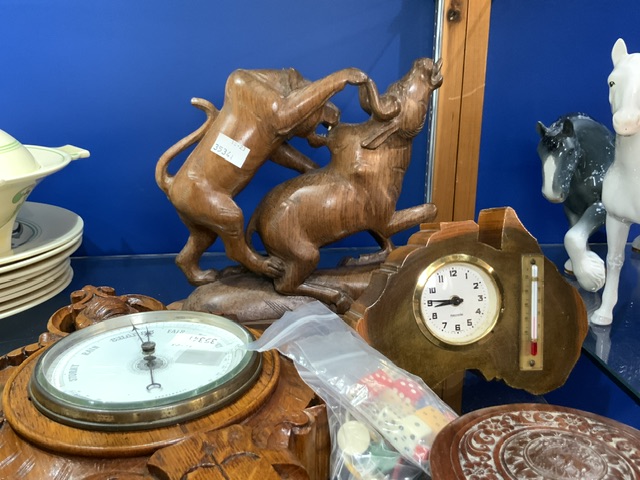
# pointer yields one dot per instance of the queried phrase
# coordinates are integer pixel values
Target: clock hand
(455, 301)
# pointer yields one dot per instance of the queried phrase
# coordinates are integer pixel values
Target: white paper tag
(232, 151)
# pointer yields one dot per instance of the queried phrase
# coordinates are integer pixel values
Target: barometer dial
(144, 370)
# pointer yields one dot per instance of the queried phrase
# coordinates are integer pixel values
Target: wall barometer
(144, 370)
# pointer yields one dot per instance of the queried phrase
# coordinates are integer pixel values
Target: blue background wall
(116, 77)
(546, 58)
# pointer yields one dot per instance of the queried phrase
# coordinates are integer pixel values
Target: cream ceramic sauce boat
(21, 168)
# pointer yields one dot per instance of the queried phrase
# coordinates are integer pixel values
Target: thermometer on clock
(532, 312)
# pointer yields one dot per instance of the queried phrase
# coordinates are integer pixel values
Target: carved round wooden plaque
(536, 441)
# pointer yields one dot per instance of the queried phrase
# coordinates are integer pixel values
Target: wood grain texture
(261, 110)
(278, 427)
(356, 192)
(28, 422)
(224, 454)
(473, 85)
(535, 441)
(384, 315)
(288, 437)
(460, 104)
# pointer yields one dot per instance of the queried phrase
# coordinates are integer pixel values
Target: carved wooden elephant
(357, 191)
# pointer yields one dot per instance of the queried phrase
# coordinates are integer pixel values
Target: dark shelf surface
(616, 347)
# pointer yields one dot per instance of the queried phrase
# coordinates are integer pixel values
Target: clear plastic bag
(383, 420)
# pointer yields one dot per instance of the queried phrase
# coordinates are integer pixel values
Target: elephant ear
(379, 134)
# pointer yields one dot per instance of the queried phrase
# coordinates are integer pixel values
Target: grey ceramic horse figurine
(576, 152)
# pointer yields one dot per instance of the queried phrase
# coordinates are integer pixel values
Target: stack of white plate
(38, 266)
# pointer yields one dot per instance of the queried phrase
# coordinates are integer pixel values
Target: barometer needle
(148, 348)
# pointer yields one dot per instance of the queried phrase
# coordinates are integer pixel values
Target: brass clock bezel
(64, 409)
(429, 271)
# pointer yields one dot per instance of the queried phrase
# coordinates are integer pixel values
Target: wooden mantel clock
(482, 296)
(131, 397)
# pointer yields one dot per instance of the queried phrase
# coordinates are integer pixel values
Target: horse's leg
(617, 233)
(586, 265)
(573, 219)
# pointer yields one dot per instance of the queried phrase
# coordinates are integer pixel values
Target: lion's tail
(163, 178)
(251, 225)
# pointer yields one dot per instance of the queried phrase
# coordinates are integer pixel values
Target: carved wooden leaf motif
(273, 429)
(223, 454)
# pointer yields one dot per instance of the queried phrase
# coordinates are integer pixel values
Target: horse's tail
(163, 178)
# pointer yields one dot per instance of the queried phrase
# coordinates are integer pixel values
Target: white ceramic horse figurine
(621, 185)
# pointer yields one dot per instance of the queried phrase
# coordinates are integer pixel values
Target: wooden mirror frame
(457, 108)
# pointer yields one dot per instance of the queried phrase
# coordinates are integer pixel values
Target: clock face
(144, 370)
(457, 300)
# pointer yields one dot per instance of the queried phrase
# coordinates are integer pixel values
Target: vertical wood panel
(459, 117)
(473, 84)
(458, 127)
(449, 101)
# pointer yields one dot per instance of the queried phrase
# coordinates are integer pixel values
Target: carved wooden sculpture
(356, 192)
(262, 109)
(92, 305)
